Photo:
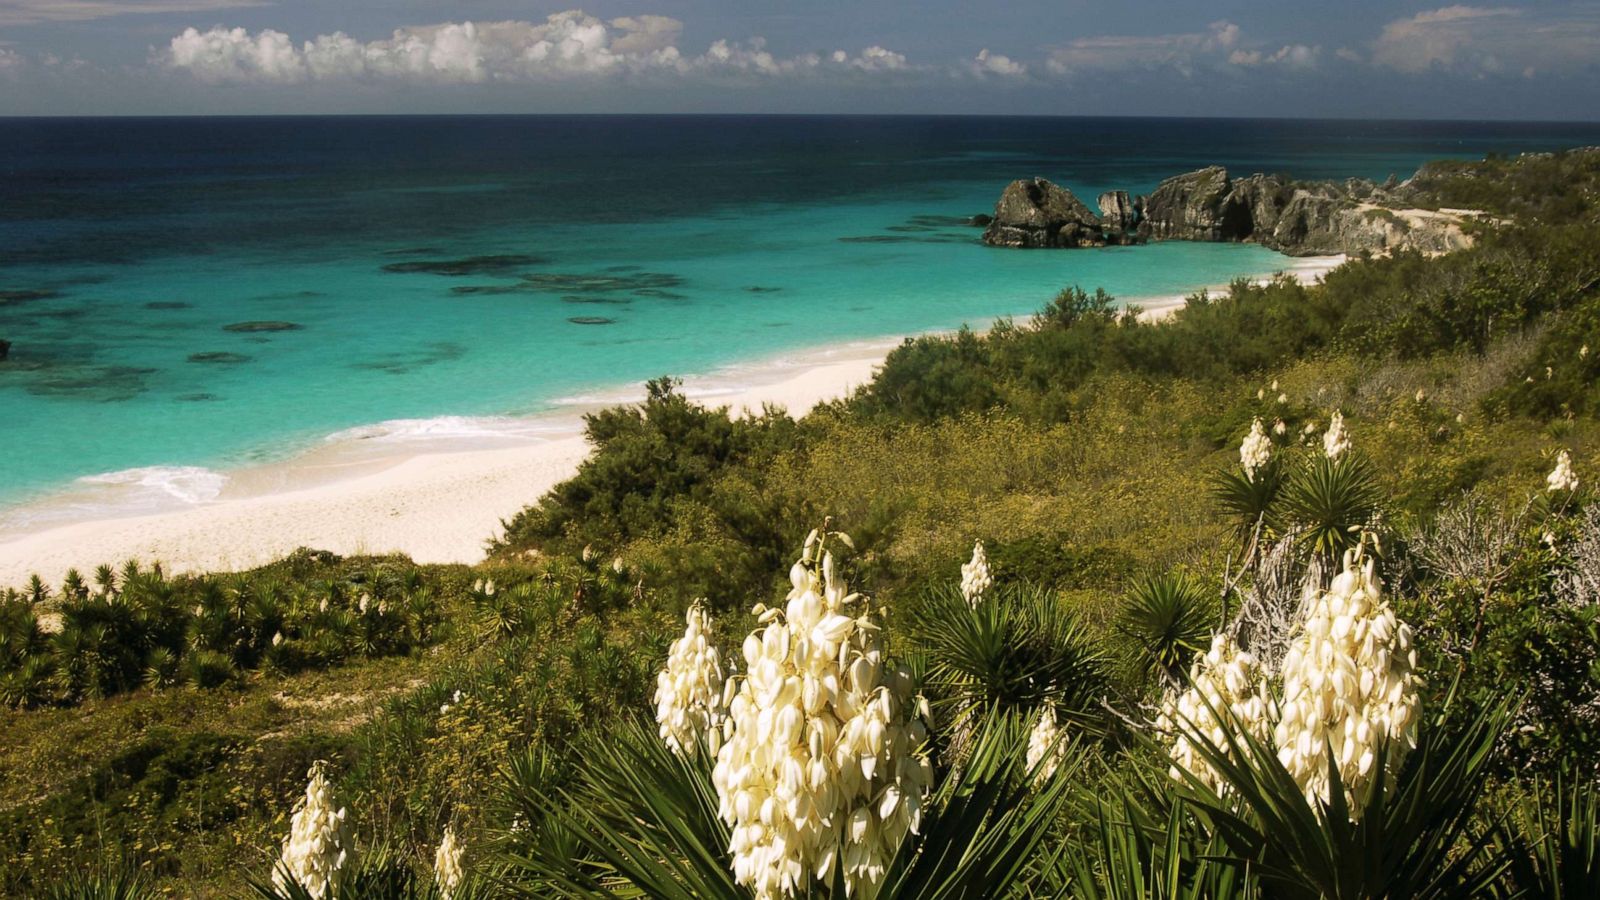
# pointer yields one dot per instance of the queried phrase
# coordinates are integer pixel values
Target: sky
(1335, 58)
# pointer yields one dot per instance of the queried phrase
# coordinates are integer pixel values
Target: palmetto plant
(1020, 649)
(1331, 502)
(641, 821)
(1170, 616)
(1552, 842)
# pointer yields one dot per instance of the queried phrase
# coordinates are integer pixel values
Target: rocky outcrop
(1120, 214)
(1034, 212)
(1194, 207)
(1293, 217)
(5, 350)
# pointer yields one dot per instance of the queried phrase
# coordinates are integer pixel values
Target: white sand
(436, 507)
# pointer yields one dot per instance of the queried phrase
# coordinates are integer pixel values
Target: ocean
(189, 296)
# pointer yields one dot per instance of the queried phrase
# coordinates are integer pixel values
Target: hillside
(1137, 486)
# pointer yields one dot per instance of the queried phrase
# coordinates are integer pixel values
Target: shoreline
(435, 489)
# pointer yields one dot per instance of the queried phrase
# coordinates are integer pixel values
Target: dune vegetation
(1294, 593)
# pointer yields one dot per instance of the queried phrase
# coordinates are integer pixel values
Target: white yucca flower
(689, 691)
(1280, 428)
(822, 769)
(975, 577)
(318, 847)
(1336, 441)
(1226, 680)
(1562, 478)
(1283, 398)
(447, 871)
(1046, 747)
(1349, 683)
(1255, 450)
(1583, 352)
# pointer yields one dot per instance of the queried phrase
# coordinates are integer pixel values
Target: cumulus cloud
(32, 12)
(10, 61)
(1492, 40)
(986, 63)
(565, 45)
(1184, 51)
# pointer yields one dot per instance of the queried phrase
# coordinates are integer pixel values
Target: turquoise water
(674, 256)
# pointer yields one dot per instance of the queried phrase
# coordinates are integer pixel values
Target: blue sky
(1538, 60)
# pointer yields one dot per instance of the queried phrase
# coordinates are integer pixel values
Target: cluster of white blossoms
(1255, 450)
(1335, 442)
(1562, 478)
(1227, 679)
(1046, 747)
(447, 871)
(1349, 683)
(318, 847)
(975, 577)
(690, 701)
(822, 768)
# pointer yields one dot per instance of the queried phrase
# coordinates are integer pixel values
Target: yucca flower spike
(318, 847)
(1046, 747)
(690, 690)
(1224, 682)
(1255, 451)
(975, 577)
(1336, 441)
(822, 769)
(1562, 478)
(1349, 683)
(447, 871)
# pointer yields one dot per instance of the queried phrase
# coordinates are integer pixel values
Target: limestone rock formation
(1033, 212)
(1299, 218)
(1119, 213)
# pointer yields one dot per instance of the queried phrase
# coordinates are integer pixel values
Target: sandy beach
(434, 504)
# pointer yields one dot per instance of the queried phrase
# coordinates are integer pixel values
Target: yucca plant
(1171, 617)
(1126, 856)
(121, 883)
(1331, 502)
(1552, 842)
(643, 823)
(1412, 841)
(1249, 501)
(1017, 650)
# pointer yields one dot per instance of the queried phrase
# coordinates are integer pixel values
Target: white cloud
(31, 12)
(236, 55)
(1290, 56)
(568, 44)
(10, 61)
(1184, 51)
(1492, 40)
(986, 63)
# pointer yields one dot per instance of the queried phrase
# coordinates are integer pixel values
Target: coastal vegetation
(1292, 593)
